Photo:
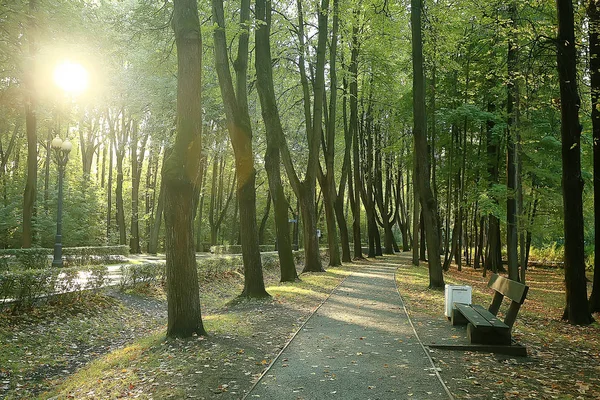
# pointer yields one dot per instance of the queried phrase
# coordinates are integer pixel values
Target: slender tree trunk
(265, 218)
(240, 134)
(416, 213)
(31, 127)
(119, 199)
(577, 308)
(181, 175)
(594, 21)
(428, 204)
(109, 191)
(511, 154)
(354, 180)
(154, 235)
(134, 237)
(274, 131)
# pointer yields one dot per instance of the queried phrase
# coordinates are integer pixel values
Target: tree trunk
(428, 204)
(594, 21)
(181, 175)
(240, 134)
(153, 240)
(354, 180)
(511, 154)
(416, 213)
(136, 171)
(265, 218)
(577, 309)
(274, 131)
(31, 127)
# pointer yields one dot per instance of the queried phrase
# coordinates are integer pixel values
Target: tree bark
(240, 134)
(511, 153)
(274, 131)
(427, 200)
(576, 310)
(593, 12)
(29, 195)
(181, 175)
(354, 180)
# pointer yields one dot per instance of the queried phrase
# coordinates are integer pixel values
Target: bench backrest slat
(513, 290)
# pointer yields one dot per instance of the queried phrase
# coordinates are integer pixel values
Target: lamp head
(57, 143)
(66, 146)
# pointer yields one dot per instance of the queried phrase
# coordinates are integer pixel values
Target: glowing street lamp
(61, 156)
(72, 78)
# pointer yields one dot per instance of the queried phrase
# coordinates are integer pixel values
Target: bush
(25, 287)
(34, 258)
(38, 258)
(147, 272)
(237, 249)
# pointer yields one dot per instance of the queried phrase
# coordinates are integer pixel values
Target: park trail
(360, 344)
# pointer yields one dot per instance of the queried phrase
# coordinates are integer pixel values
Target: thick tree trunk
(240, 134)
(577, 308)
(594, 21)
(181, 175)
(428, 204)
(31, 128)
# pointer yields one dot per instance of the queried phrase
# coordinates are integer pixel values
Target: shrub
(38, 258)
(34, 258)
(26, 286)
(237, 249)
(148, 272)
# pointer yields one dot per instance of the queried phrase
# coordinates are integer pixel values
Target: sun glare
(71, 77)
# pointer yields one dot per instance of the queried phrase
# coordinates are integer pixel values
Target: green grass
(244, 336)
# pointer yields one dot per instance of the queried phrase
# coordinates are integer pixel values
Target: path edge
(434, 368)
(262, 375)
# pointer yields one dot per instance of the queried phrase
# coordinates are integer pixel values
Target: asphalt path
(359, 344)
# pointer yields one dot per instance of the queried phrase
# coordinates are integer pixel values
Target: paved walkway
(358, 345)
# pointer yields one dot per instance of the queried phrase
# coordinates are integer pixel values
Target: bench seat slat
(489, 317)
(472, 315)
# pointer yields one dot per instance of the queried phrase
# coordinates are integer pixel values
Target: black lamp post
(61, 156)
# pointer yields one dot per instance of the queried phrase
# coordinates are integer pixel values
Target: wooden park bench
(483, 325)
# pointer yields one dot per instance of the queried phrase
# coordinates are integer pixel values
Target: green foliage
(25, 287)
(236, 249)
(38, 257)
(147, 272)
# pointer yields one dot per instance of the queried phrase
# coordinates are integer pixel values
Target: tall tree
(305, 190)
(576, 309)
(181, 176)
(327, 177)
(427, 200)
(274, 131)
(594, 32)
(512, 109)
(31, 128)
(240, 133)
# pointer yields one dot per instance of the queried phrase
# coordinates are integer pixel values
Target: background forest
(491, 91)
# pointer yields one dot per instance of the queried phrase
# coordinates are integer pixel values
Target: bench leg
(486, 335)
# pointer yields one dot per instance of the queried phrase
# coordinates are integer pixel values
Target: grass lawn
(563, 361)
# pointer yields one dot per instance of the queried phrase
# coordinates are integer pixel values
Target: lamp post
(61, 156)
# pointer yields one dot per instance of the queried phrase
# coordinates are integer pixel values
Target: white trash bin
(456, 294)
